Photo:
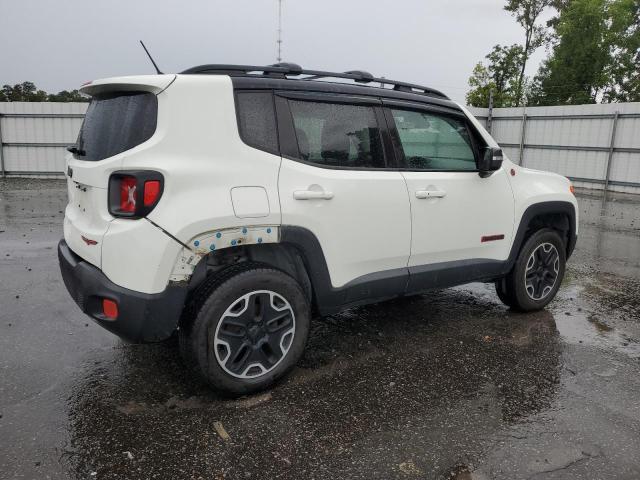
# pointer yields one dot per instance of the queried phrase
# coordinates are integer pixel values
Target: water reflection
(609, 237)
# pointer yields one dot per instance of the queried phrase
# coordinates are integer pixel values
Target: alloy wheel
(542, 270)
(254, 334)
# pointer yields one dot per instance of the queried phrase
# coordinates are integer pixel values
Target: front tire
(537, 273)
(248, 329)
(503, 293)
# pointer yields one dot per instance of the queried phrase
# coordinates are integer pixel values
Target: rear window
(337, 135)
(257, 120)
(117, 122)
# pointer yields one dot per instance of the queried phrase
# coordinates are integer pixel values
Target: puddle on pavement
(599, 310)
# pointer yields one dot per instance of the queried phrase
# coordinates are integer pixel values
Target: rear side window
(434, 142)
(117, 122)
(257, 120)
(337, 135)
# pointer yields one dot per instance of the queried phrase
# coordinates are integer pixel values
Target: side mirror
(490, 161)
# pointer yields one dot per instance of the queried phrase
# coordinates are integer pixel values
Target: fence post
(490, 114)
(4, 174)
(612, 142)
(522, 135)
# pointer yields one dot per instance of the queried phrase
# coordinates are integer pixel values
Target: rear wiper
(76, 151)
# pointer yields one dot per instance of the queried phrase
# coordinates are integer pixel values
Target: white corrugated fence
(594, 145)
(34, 136)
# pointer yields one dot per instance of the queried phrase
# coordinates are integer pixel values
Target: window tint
(117, 122)
(434, 142)
(257, 120)
(337, 134)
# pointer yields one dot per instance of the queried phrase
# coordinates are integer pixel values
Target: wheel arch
(297, 253)
(558, 215)
(281, 256)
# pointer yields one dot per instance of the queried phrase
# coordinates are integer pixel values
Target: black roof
(280, 75)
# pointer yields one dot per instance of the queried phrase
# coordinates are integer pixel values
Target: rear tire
(246, 328)
(537, 273)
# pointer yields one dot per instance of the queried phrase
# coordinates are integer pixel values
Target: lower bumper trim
(142, 317)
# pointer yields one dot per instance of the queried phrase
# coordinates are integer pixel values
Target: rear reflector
(109, 308)
(151, 192)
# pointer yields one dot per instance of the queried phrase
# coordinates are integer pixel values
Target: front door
(458, 218)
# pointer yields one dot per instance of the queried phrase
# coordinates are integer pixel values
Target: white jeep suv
(229, 202)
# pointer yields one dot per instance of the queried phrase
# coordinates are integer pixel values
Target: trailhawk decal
(215, 240)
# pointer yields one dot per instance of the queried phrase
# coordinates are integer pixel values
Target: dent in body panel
(215, 240)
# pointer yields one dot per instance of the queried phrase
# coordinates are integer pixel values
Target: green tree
(595, 54)
(28, 92)
(576, 71)
(500, 75)
(558, 6)
(527, 14)
(623, 38)
(481, 85)
(66, 96)
(23, 92)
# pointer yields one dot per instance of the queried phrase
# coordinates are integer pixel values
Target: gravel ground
(450, 384)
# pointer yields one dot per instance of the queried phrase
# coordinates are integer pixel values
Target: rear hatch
(121, 117)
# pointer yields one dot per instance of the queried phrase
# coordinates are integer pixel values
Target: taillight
(133, 194)
(128, 194)
(151, 192)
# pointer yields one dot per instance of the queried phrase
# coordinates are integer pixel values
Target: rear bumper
(141, 318)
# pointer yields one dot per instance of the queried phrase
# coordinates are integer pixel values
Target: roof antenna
(151, 58)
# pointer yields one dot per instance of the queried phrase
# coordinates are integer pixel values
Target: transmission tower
(279, 41)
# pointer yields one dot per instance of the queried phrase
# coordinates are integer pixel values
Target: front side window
(337, 135)
(116, 122)
(434, 142)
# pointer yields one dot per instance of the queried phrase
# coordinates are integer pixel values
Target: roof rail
(283, 70)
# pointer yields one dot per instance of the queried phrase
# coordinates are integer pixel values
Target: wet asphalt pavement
(445, 385)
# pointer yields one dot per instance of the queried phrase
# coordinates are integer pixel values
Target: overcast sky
(60, 44)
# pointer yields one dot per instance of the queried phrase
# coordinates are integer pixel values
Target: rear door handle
(312, 195)
(430, 193)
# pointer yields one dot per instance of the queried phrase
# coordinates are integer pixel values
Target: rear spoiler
(139, 83)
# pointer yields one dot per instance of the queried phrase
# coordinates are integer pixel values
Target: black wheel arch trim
(540, 209)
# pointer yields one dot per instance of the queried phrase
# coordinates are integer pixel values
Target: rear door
(335, 181)
(457, 216)
(115, 122)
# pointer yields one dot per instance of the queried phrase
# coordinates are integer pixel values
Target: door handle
(312, 195)
(430, 193)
